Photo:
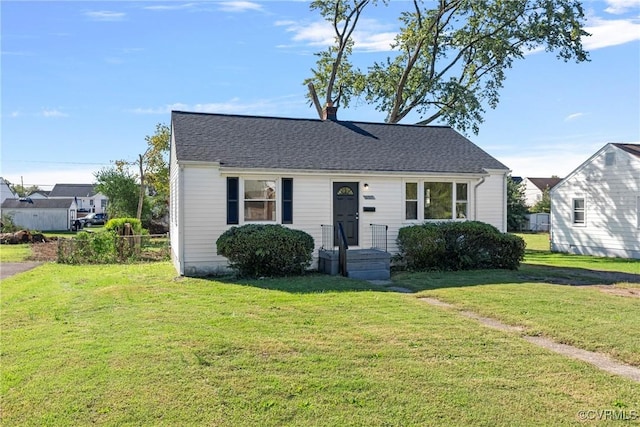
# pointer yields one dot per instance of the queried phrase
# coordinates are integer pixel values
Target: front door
(346, 210)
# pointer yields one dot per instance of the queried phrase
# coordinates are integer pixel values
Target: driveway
(8, 269)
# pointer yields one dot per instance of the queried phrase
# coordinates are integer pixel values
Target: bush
(117, 225)
(88, 248)
(459, 246)
(266, 250)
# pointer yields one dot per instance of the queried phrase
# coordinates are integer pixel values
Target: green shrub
(88, 248)
(117, 225)
(465, 245)
(266, 250)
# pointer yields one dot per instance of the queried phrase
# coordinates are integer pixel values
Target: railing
(327, 237)
(342, 248)
(379, 236)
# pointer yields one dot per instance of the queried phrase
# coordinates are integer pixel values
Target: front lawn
(134, 345)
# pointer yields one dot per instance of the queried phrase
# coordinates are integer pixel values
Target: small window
(610, 159)
(462, 198)
(578, 211)
(259, 200)
(103, 203)
(411, 200)
(91, 202)
(345, 191)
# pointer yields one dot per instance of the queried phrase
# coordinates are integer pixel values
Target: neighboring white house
(5, 191)
(534, 188)
(228, 170)
(595, 210)
(85, 196)
(41, 214)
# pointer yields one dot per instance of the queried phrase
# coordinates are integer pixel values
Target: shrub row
(465, 245)
(266, 250)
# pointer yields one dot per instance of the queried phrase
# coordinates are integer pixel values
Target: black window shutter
(232, 200)
(287, 200)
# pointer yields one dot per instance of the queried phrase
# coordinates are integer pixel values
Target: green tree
(121, 187)
(516, 205)
(23, 191)
(449, 57)
(544, 204)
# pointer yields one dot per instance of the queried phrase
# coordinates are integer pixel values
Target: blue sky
(83, 83)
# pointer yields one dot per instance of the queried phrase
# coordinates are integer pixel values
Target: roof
(544, 183)
(629, 148)
(26, 203)
(73, 190)
(306, 144)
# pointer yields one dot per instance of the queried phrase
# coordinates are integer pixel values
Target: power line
(55, 163)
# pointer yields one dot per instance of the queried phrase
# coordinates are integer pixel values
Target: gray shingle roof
(543, 183)
(306, 144)
(630, 148)
(72, 190)
(37, 203)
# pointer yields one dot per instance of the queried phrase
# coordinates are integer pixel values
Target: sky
(83, 82)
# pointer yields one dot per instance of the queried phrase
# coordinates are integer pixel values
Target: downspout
(180, 202)
(475, 197)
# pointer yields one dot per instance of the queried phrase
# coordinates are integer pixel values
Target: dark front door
(345, 210)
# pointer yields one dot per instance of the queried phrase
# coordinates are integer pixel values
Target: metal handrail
(379, 236)
(342, 251)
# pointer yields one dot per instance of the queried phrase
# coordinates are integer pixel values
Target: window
(610, 159)
(438, 198)
(103, 203)
(411, 200)
(91, 202)
(438, 201)
(345, 191)
(461, 200)
(259, 200)
(578, 212)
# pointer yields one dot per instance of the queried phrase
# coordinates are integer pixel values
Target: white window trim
(573, 212)
(454, 200)
(277, 200)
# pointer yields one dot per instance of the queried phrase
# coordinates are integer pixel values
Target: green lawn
(14, 253)
(133, 345)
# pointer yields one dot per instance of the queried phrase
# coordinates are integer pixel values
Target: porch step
(363, 264)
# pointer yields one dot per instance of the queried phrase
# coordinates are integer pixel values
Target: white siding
(198, 208)
(41, 219)
(174, 208)
(491, 203)
(610, 193)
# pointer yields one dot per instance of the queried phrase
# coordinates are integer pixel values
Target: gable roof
(305, 144)
(629, 148)
(73, 190)
(544, 183)
(26, 203)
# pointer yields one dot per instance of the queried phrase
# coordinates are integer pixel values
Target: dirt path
(8, 269)
(599, 360)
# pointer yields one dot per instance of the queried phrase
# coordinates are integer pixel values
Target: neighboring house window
(91, 202)
(259, 200)
(462, 198)
(438, 198)
(411, 200)
(103, 203)
(578, 211)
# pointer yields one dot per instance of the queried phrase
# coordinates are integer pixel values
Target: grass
(14, 253)
(134, 345)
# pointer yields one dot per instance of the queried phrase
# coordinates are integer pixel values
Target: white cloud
(605, 33)
(105, 15)
(617, 7)
(239, 6)
(277, 106)
(573, 116)
(171, 7)
(53, 113)
(369, 36)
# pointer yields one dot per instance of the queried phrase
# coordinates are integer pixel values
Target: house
(307, 174)
(534, 188)
(41, 214)
(85, 196)
(39, 194)
(5, 190)
(595, 210)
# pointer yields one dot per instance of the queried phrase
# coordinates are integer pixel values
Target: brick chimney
(329, 112)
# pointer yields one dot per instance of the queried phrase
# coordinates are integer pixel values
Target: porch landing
(363, 264)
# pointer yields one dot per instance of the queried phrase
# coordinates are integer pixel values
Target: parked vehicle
(93, 219)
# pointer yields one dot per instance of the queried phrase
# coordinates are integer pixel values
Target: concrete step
(370, 274)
